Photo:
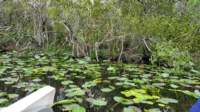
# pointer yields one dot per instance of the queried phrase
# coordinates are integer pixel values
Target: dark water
(184, 104)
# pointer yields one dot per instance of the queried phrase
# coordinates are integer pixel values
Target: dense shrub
(161, 29)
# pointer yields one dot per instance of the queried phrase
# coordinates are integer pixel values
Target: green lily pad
(107, 90)
(79, 109)
(123, 100)
(165, 75)
(167, 100)
(97, 102)
(73, 107)
(13, 96)
(131, 109)
(64, 102)
(74, 92)
(67, 82)
(89, 84)
(2, 94)
(174, 86)
(3, 101)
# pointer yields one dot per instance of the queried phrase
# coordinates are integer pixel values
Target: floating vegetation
(85, 86)
(97, 102)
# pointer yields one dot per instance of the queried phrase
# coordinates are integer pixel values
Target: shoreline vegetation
(102, 55)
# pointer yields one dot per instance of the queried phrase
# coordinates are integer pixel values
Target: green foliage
(193, 6)
(166, 31)
(166, 53)
(97, 28)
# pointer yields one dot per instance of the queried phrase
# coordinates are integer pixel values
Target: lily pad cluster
(83, 85)
(6, 98)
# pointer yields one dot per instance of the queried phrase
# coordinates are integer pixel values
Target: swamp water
(105, 87)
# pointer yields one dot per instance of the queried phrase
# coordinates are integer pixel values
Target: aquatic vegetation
(122, 100)
(140, 95)
(97, 102)
(85, 86)
(167, 100)
(108, 89)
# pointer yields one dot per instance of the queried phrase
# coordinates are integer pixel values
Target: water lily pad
(97, 102)
(64, 102)
(111, 69)
(73, 107)
(82, 62)
(67, 82)
(159, 84)
(193, 94)
(106, 90)
(128, 110)
(189, 93)
(48, 68)
(113, 78)
(131, 109)
(37, 80)
(123, 100)
(133, 92)
(74, 92)
(174, 86)
(89, 84)
(165, 75)
(73, 86)
(2, 94)
(167, 100)
(141, 96)
(3, 101)
(79, 109)
(13, 96)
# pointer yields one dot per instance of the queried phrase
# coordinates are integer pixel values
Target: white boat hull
(34, 102)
